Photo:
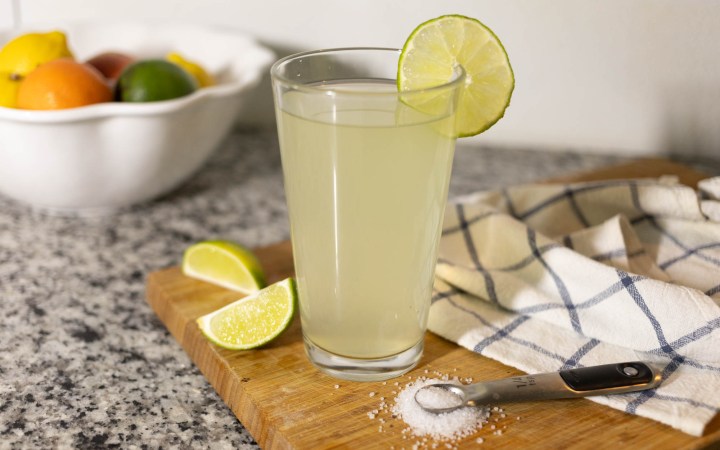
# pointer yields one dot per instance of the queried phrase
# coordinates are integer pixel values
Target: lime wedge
(225, 264)
(254, 320)
(431, 53)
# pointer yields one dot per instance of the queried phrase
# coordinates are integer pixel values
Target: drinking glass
(366, 171)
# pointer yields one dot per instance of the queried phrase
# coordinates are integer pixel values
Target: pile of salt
(448, 426)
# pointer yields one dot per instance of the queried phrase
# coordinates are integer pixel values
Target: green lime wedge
(254, 320)
(431, 53)
(225, 264)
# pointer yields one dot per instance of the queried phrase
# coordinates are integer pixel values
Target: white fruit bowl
(101, 157)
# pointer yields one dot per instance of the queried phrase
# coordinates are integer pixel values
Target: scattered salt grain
(337, 386)
(447, 426)
(372, 394)
(479, 440)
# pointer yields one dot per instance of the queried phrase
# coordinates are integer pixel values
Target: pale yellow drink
(366, 183)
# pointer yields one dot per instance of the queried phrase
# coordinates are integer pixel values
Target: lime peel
(252, 321)
(225, 264)
(434, 48)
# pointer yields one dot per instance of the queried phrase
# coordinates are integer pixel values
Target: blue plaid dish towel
(549, 277)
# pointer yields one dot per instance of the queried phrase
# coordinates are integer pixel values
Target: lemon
(153, 80)
(9, 86)
(433, 50)
(203, 78)
(225, 264)
(254, 320)
(23, 54)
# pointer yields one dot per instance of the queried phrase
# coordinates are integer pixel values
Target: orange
(62, 83)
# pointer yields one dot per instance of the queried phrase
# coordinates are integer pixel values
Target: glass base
(362, 369)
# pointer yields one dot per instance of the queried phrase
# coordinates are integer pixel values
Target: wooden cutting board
(285, 403)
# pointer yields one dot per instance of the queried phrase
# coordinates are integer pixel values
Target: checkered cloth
(550, 277)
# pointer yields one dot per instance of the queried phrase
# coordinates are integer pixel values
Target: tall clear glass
(366, 172)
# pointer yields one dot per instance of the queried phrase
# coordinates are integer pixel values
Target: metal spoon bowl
(450, 396)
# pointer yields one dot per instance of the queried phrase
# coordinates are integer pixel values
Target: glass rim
(458, 74)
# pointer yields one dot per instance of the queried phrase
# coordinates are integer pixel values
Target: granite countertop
(84, 361)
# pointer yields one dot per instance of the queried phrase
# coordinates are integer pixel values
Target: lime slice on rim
(225, 264)
(431, 53)
(254, 320)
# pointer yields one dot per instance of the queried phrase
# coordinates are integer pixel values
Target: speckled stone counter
(84, 362)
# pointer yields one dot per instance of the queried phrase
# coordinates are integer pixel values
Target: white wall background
(640, 77)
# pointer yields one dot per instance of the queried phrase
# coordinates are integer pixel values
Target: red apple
(111, 64)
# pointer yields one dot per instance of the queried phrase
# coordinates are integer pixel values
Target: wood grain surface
(285, 403)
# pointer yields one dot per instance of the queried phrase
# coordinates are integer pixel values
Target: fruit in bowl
(154, 80)
(111, 64)
(38, 72)
(203, 78)
(8, 90)
(62, 83)
(24, 54)
(109, 154)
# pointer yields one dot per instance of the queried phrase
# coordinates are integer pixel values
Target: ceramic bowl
(101, 157)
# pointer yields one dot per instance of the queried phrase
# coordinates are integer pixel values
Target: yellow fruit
(203, 78)
(23, 54)
(9, 86)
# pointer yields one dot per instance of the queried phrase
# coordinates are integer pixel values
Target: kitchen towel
(548, 277)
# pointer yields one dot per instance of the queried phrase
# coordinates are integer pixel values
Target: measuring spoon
(584, 382)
